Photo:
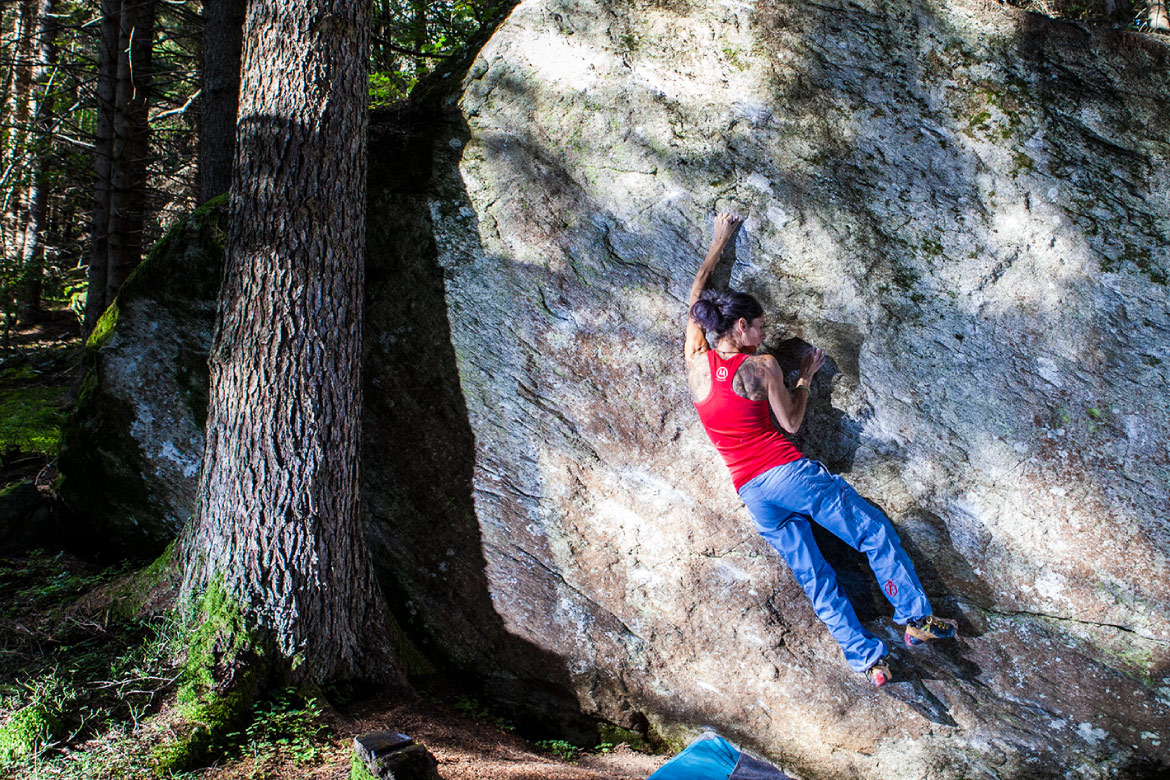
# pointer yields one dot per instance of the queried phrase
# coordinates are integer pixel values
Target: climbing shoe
(879, 673)
(928, 629)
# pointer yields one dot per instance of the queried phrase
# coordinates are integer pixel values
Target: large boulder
(131, 449)
(965, 205)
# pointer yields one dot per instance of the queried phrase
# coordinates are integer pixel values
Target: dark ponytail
(719, 311)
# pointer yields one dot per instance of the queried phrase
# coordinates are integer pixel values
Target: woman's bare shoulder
(751, 380)
(699, 376)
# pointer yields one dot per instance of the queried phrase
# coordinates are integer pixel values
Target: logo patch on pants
(891, 589)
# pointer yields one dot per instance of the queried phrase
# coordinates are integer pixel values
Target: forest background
(120, 118)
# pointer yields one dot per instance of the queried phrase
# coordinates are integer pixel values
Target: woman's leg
(864, 527)
(791, 535)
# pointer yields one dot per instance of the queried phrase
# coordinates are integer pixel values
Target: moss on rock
(139, 592)
(187, 263)
(27, 732)
(104, 328)
(359, 771)
(616, 735)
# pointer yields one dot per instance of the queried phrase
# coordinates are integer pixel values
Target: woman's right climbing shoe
(929, 628)
(879, 673)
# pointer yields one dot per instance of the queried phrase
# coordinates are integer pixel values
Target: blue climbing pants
(783, 501)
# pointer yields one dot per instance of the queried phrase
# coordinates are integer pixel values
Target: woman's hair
(719, 311)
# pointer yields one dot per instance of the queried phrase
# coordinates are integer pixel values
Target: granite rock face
(966, 207)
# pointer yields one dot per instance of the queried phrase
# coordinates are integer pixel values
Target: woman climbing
(734, 389)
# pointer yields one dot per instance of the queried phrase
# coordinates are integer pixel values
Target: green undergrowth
(36, 390)
(31, 417)
(288, 724)
(73, 669)
(471, 707)
(104, 677)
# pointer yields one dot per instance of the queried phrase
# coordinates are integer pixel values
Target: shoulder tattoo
(750, 380)
(699, 378)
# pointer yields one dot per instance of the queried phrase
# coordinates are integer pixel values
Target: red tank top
(741, 429)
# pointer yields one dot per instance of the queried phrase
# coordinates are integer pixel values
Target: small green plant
(287, 725)
(628, 42)
(566, 751)
(469, 707)
(732, 56)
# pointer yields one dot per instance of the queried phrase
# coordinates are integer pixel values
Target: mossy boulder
(131, 449)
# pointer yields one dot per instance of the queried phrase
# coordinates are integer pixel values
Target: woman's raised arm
(725, 227)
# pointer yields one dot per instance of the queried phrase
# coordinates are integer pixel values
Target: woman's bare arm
(725, 227)
(789, 407)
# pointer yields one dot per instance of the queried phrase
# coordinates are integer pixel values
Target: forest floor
(87, 690)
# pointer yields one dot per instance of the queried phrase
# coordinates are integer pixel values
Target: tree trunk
(130, 147)
(418, 25)
(103, 154)
(277, 519)
(36, 192)
(1156, 15)
(16, 115)
(222, 33)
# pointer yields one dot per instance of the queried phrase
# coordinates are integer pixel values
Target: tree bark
(103, 154)
(223, 23)
(277, 511)
(130, 145)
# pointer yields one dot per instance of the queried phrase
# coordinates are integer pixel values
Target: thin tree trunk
(9, 20)
(16, 146)
(418, 26)
(36, 197)
(277, 518)
(103, 154)
(131, 136)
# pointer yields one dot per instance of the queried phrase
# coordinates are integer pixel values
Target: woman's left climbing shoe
(879, 673)
(928, 629)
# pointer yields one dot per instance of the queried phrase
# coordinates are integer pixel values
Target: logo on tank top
(721, 373)
(891, 589)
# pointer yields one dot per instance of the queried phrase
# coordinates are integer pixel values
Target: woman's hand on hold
(811, 362)
(725, 226)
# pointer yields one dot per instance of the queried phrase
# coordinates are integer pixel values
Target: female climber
(734, 389)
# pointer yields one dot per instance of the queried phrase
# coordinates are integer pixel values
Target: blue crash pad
(711, 757)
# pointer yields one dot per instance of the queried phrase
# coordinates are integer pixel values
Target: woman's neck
(727, 347)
